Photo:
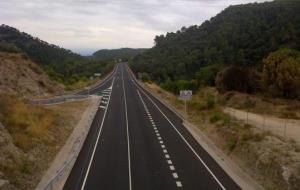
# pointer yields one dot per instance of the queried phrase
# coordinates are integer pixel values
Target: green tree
(281, 73)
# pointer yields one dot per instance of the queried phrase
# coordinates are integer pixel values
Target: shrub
(238, 79)
(145, 77)
(281, 74)
(210, 102)
(206, 76)
(231, 143)
(215, 117)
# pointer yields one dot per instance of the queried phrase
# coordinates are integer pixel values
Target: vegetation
(32, 137)
(281, 73)
(62, 65)
(123, 53)
(238, 79)
(240, 37)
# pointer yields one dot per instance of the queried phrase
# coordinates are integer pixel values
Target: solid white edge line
(182, 137)
(127, 130)
(96, 144)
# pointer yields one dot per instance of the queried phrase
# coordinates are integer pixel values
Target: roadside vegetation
(31, 136)
(270, 159)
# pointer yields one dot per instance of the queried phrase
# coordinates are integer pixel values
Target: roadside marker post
(185, 95)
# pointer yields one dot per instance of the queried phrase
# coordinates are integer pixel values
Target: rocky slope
(23, 78)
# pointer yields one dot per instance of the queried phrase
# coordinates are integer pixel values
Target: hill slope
(241, 35)
(22, 77)
(123, 53)
(61, 64)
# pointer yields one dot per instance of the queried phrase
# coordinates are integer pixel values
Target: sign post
(186, 95)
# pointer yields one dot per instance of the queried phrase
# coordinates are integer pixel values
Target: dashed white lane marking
(103, 107)
(175, 175)
(179, 184)
(172, 167)
(167, 156)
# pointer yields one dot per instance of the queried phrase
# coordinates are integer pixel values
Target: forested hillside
(61, 64)
(123, 53)
(240, 36)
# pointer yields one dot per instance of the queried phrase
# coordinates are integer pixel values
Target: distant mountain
(123, 53)
(61, 64)
(240, 35)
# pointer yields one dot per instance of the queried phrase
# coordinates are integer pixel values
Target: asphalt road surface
(135, 142)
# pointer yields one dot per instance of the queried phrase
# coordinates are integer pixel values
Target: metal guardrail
(59, 99)
(68, 164)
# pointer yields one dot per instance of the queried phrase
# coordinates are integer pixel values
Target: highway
(136, 143)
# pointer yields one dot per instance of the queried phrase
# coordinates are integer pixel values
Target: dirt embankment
(23, 78)
(273, 161)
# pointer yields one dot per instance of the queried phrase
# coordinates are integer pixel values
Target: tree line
(242, 44)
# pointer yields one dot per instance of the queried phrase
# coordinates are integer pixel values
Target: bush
(206, 76)
(145, 77)
(210, 102)
(281, 74)
(215, 117)
(176, 86)
(238, 79)
(231, 143)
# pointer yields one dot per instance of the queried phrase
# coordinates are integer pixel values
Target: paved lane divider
(162, 145)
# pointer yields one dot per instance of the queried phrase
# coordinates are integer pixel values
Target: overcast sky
(88, 25)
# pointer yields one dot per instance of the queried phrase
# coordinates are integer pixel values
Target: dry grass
(39, 132)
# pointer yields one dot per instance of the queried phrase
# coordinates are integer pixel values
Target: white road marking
(182, 137)
(172, 167)
(128, 144)
(179, 184)
(167, 156)
(175, 175)
(161, 142)
(103, 107)
(95, 147)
